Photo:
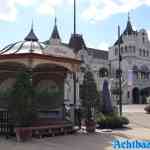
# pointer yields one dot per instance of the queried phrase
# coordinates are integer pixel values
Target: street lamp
(120, 72)
(75, 98)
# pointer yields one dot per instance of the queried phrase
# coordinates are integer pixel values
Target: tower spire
(55, 21)
(74, 16)
(55, 33)
(128, 16)
(32, 25)
(31, 35)
(129, 30)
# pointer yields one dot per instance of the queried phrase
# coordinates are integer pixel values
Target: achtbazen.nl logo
(131, 144)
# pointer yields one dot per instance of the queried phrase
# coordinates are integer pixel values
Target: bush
(21, 106)
(111, 121)
(147, 109)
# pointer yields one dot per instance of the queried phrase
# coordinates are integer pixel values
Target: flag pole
(74, 16)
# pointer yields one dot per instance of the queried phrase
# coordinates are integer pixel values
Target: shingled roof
(99, 54)
(77, 42)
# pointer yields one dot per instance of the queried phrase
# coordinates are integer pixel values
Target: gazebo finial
(128, 16)
(31, 35)
(32, 25)
(55, 21)
(55, 33)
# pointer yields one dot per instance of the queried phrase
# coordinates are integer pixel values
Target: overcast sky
(97, 20)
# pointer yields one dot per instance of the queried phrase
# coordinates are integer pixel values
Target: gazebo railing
(4, 127)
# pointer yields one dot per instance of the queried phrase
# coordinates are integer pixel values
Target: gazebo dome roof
(30, 44)
(23, 47)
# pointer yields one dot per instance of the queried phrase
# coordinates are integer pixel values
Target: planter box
(23, 134)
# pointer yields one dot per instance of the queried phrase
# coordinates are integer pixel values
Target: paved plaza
(97, 141)
(138, 129)
(137, 115)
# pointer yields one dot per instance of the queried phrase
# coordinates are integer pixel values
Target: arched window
(143, 39)
(134, 49)
(144, 72)
(135, 71)
(130, 48)
(147, 53)
(103, 72)
(144, 52)
(126, 49)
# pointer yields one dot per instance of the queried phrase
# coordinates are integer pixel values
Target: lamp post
(74, 102)
(120, 73)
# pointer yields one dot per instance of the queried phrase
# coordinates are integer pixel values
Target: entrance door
(136, 96)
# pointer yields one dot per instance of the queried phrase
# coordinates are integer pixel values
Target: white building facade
(135, 65)
(135, 53)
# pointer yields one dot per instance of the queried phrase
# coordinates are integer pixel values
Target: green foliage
(21, 105)
(4, 93)
(45, 98)
(51, 93)
(88, 94)
(111, 121)
(99, 103)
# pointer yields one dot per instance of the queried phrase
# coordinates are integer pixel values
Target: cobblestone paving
(137, 115)
(70, 142)
(139, 127)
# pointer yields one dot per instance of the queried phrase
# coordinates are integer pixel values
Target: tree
(88, 94)
(107, 102)
(21, 105)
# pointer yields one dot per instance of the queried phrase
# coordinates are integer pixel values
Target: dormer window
(144, 53)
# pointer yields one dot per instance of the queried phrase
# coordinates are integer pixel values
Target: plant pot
(90, 126)
(23, 134)
(147, 109)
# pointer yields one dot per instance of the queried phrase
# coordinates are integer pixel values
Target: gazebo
(50, 65)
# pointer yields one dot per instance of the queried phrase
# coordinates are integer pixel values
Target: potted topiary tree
(89, 96)
(21, 106)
